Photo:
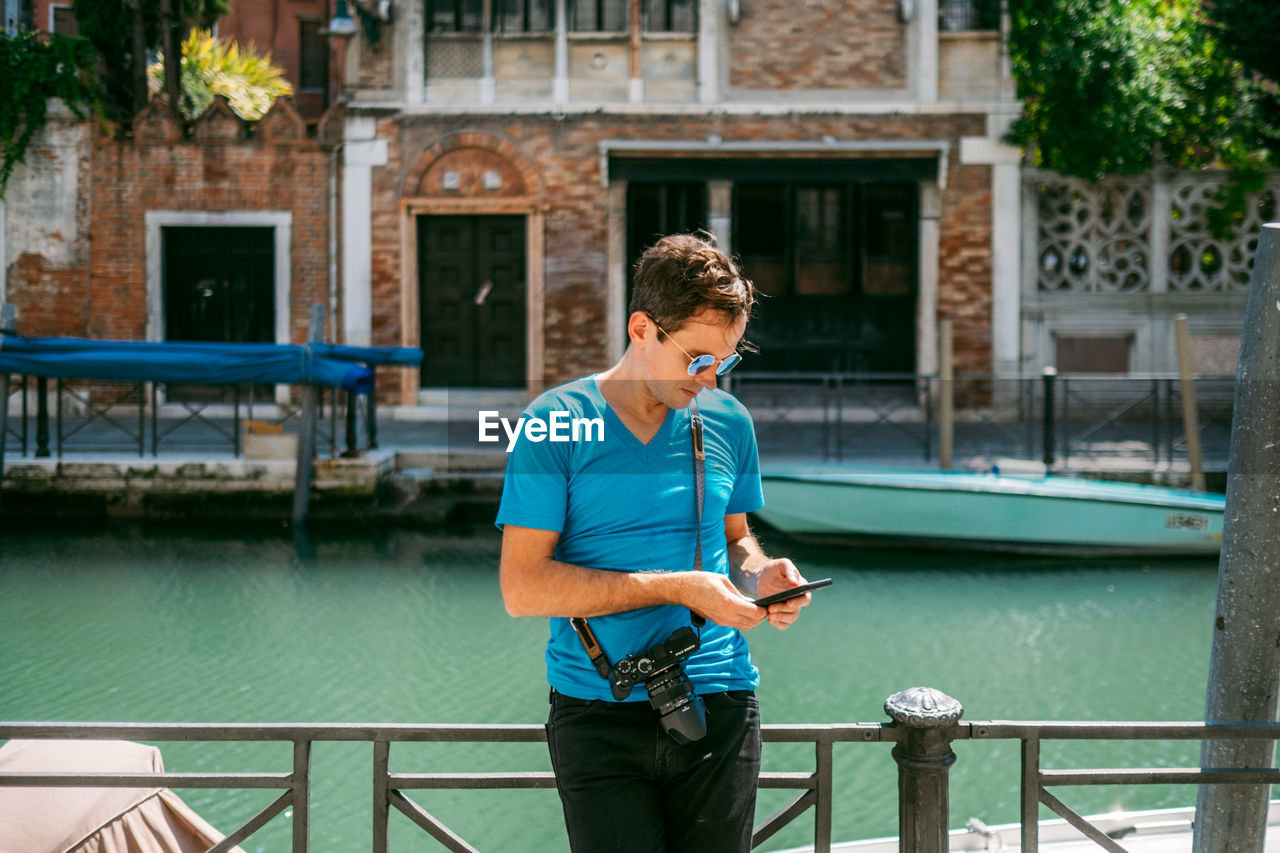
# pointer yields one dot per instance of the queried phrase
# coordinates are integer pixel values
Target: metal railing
(1037, 780)
(104, 416)
(925, 724)
(1061, 419)
(889, 417)
(389, 789)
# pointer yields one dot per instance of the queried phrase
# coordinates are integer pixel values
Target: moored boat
(991, 511)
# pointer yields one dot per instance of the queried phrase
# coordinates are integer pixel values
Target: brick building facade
(496, 168)
(94, 226)
(821, 142)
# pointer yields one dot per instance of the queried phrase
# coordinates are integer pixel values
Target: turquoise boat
(996, 511)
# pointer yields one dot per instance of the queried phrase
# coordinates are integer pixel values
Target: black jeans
(627, 787)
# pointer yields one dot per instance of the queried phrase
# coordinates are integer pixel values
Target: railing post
(154, 387)
(371, 413)
(822, 810)
(1050, 374)
(924, 757)
(236, 438)
(142, 419)
(381, 805)
(1030, 794)
(352, 442)
(42, 417)
(301, 796)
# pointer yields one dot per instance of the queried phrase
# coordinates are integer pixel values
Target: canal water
(405, 627)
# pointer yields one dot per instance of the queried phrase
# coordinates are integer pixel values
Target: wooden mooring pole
(307, 429)
(947, 396)
(6, 323)
(1190, 417)
(1244, 667)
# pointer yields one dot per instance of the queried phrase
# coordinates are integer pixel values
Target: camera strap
(699, 490)
(699, 478)
(594, 651)
(598, 658)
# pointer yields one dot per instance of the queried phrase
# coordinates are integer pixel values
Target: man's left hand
(776, 576)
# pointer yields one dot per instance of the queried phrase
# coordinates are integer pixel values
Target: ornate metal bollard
(924, 756)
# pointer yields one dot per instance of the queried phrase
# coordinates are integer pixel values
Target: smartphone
(794, 592)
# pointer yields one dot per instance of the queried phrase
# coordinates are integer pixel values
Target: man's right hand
(715, 598)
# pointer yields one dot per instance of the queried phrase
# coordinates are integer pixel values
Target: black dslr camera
(681, 711)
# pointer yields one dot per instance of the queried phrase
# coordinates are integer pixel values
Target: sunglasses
(699, 363)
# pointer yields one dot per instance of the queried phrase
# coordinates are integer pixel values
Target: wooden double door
(472, 295)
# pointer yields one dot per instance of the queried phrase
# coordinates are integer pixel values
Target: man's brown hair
(683, 274)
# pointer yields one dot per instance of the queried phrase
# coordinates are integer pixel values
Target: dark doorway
(655, 210)
(837, 266)
(471, 298)
(219, 284)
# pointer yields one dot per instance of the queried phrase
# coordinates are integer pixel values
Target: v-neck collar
(646, 453)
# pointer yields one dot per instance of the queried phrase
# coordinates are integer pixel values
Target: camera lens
(682, 713)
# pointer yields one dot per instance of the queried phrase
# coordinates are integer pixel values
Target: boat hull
(1054, 515)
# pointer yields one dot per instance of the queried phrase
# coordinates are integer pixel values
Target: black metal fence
(1062, 420)
(925, 725)
(882, 418)
(53, 417)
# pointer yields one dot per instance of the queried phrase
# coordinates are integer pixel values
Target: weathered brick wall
(76, 217)
(376, 63)
(46, 206)
(964, 266)
(818, 44)
(565, 157)
(220, 169)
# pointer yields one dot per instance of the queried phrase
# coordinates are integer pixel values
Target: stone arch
(469, 155)
(490, 176)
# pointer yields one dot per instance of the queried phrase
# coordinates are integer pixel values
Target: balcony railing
(925, 724)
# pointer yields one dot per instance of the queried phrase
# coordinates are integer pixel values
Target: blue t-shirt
(624, 506)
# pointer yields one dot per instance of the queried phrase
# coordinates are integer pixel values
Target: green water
(402, 627)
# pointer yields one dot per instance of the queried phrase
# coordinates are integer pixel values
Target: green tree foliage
(247, 79)
(34, 68)
(1113, 86)
(109, 25)
(1249, 30)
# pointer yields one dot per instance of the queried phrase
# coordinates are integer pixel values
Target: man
(609, 531)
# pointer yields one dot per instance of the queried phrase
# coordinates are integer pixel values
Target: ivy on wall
(34, 68)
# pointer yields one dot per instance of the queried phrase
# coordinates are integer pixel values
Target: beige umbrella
(94, 820)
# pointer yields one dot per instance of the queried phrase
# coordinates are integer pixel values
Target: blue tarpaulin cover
(201, 363)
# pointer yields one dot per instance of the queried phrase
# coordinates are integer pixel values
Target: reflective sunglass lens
(700, 364)
(728, 364)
